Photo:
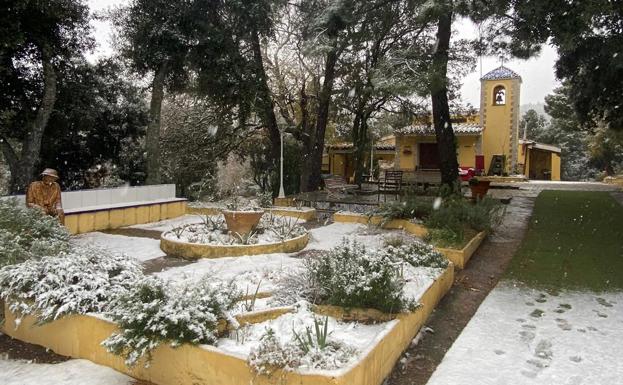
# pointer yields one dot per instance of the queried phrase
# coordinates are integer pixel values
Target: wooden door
(429, 156)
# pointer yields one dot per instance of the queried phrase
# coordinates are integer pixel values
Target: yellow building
(339, 159)
(488, 142)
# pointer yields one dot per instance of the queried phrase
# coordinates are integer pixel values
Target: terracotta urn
(242, 222)
(479, 189)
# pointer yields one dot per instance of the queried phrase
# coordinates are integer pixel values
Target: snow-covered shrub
(285, 228)
(26, 233)
(265, 198)
(417, 254)
(271, 355)
(84, 280)
(154, 311)
(293, 287)
(351, 276)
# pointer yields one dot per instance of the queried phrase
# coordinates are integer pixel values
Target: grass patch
(574, 241)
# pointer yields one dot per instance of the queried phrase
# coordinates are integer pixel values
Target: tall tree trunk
(313, 164)
(446, 142)
(360, 144)
(24, 169)
(266, 101)
(152, 137)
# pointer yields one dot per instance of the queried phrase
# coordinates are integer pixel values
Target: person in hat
(46, 195)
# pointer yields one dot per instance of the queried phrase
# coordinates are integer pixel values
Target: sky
(537, 73)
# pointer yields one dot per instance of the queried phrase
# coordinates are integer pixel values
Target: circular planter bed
(211, 240)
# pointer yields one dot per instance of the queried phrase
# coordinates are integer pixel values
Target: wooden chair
(391, 183)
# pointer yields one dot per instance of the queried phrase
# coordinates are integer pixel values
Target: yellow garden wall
(197, 251)
(84, 222)
(80, 337)
(396, 224)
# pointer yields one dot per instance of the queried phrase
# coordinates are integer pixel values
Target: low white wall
(111, 196)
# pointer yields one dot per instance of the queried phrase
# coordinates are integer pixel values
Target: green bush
(417, 254)
(450, 222)
(412, 207)
(27, 233)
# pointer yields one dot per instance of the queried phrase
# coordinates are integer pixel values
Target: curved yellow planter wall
(196, 251)
(81, 337)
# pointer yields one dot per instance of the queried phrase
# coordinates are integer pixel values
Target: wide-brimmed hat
(50, 172)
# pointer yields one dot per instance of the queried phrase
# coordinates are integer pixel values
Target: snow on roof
(426, 130)
(540, 146)
(501, 73)
(348, 146)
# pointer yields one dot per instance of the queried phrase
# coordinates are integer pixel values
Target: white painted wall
(111, 196)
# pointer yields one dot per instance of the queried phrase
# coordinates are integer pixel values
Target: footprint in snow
(542, 298)
(603, 302)
(575, 359)
(539, 364)
(537, 313)
(600, 314)
(563, 324)
(528, 326)
(528, 374)
(562, 307)
(499, 352)
(526, 336)
(544, 350)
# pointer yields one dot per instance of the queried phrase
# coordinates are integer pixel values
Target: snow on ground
(169, 224)
(526, 336)
(248, 271)
(139, 248)
(327, 237)
(72, 372)
(353, 334)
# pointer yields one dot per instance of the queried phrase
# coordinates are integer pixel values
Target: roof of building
(540, 146)
(501, 73)
(349, 145)
(426, 130)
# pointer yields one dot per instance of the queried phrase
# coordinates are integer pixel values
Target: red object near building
(466, 173)
(480, 164)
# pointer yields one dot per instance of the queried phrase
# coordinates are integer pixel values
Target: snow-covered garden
(291, 296)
